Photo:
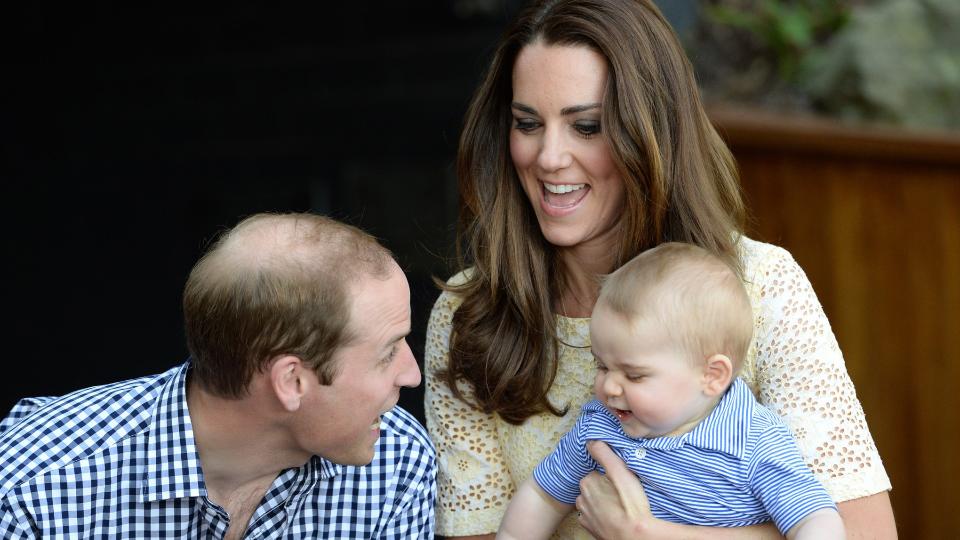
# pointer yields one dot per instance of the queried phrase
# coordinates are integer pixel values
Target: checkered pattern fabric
(119, 461)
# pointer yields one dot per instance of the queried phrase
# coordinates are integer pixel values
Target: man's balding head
(276, 284)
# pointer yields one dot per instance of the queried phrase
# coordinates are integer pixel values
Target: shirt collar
(172, 464)
(172, 467)
(325, 468)
(723, 430)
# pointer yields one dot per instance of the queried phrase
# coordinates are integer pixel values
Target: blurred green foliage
(787, 30)
(894, 61)
(897, 61)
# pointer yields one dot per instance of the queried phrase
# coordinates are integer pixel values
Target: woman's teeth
(562, 188)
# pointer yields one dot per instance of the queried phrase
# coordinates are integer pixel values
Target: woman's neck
(581, 288)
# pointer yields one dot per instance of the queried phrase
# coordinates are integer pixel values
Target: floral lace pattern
(794, 367)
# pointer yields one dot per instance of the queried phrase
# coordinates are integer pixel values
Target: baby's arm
(824, 523)
(532, 514)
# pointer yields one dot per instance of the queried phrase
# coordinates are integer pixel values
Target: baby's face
(644, 378)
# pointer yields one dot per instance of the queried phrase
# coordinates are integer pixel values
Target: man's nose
(409, 374)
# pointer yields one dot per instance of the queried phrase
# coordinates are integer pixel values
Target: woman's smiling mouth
(562, 197)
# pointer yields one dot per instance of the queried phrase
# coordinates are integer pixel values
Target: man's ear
(717, 374)
(288, 382)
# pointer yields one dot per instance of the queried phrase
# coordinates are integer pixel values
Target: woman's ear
(287, 382)
(717, 374)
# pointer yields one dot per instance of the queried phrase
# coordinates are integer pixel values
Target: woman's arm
(473, 483)
(800, 374)
(869, 517)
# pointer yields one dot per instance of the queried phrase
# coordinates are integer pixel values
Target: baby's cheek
(598, 386)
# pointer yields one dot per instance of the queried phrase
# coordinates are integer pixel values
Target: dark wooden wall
(873, 216)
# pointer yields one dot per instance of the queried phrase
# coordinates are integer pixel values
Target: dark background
(132, 135)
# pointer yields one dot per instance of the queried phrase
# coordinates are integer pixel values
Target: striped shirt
(739, 466)
(120, 461)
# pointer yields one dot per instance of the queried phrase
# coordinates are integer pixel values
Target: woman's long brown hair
(681, 185)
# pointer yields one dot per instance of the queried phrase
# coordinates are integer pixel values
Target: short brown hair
(692, 294)
(275, 284)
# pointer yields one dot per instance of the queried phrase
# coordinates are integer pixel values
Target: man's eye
(389, 358)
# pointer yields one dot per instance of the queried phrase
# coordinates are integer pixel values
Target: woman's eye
(587, 129)
(525, 125)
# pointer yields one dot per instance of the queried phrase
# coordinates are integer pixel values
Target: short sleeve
(473, 483)
(559, 474)
(801, 376)
(782, 482)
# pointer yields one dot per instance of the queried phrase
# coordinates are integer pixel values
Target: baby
(669, 333)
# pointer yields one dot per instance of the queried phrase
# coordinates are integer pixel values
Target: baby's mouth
(620, 413)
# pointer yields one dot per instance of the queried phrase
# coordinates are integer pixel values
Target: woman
(585, 144)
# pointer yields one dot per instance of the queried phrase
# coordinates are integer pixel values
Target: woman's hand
(613, 506)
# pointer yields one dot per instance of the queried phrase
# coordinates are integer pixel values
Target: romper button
(640, 453)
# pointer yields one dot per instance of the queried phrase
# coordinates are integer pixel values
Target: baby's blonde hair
(693, 295)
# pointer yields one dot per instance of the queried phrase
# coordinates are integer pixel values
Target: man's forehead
(379, 304)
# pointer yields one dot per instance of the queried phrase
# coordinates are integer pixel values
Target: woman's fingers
(624, 481)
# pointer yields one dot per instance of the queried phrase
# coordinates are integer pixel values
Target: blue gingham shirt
(739, 466)
(120, 461)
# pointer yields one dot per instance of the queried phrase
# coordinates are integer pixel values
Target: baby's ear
(717, 374)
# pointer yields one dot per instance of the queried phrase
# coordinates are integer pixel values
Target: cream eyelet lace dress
(794, 367)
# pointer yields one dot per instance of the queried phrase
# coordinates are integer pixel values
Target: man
(281, 425)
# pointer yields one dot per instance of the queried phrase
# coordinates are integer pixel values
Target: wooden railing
(873, 217)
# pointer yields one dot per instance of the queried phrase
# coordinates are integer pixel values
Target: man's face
(341, 422)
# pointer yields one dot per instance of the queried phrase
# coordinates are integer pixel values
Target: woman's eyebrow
(573, 109)
(578, 108)
(524, 108)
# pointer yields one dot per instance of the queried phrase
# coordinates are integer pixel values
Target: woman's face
(561, 156)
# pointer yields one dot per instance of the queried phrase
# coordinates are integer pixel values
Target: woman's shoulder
(754, 253)
(461, 277)
(449, 299)
(762, 261)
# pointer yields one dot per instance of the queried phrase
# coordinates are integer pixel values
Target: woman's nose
(554, 151)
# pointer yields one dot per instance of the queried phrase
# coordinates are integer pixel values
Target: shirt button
(640, 452)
